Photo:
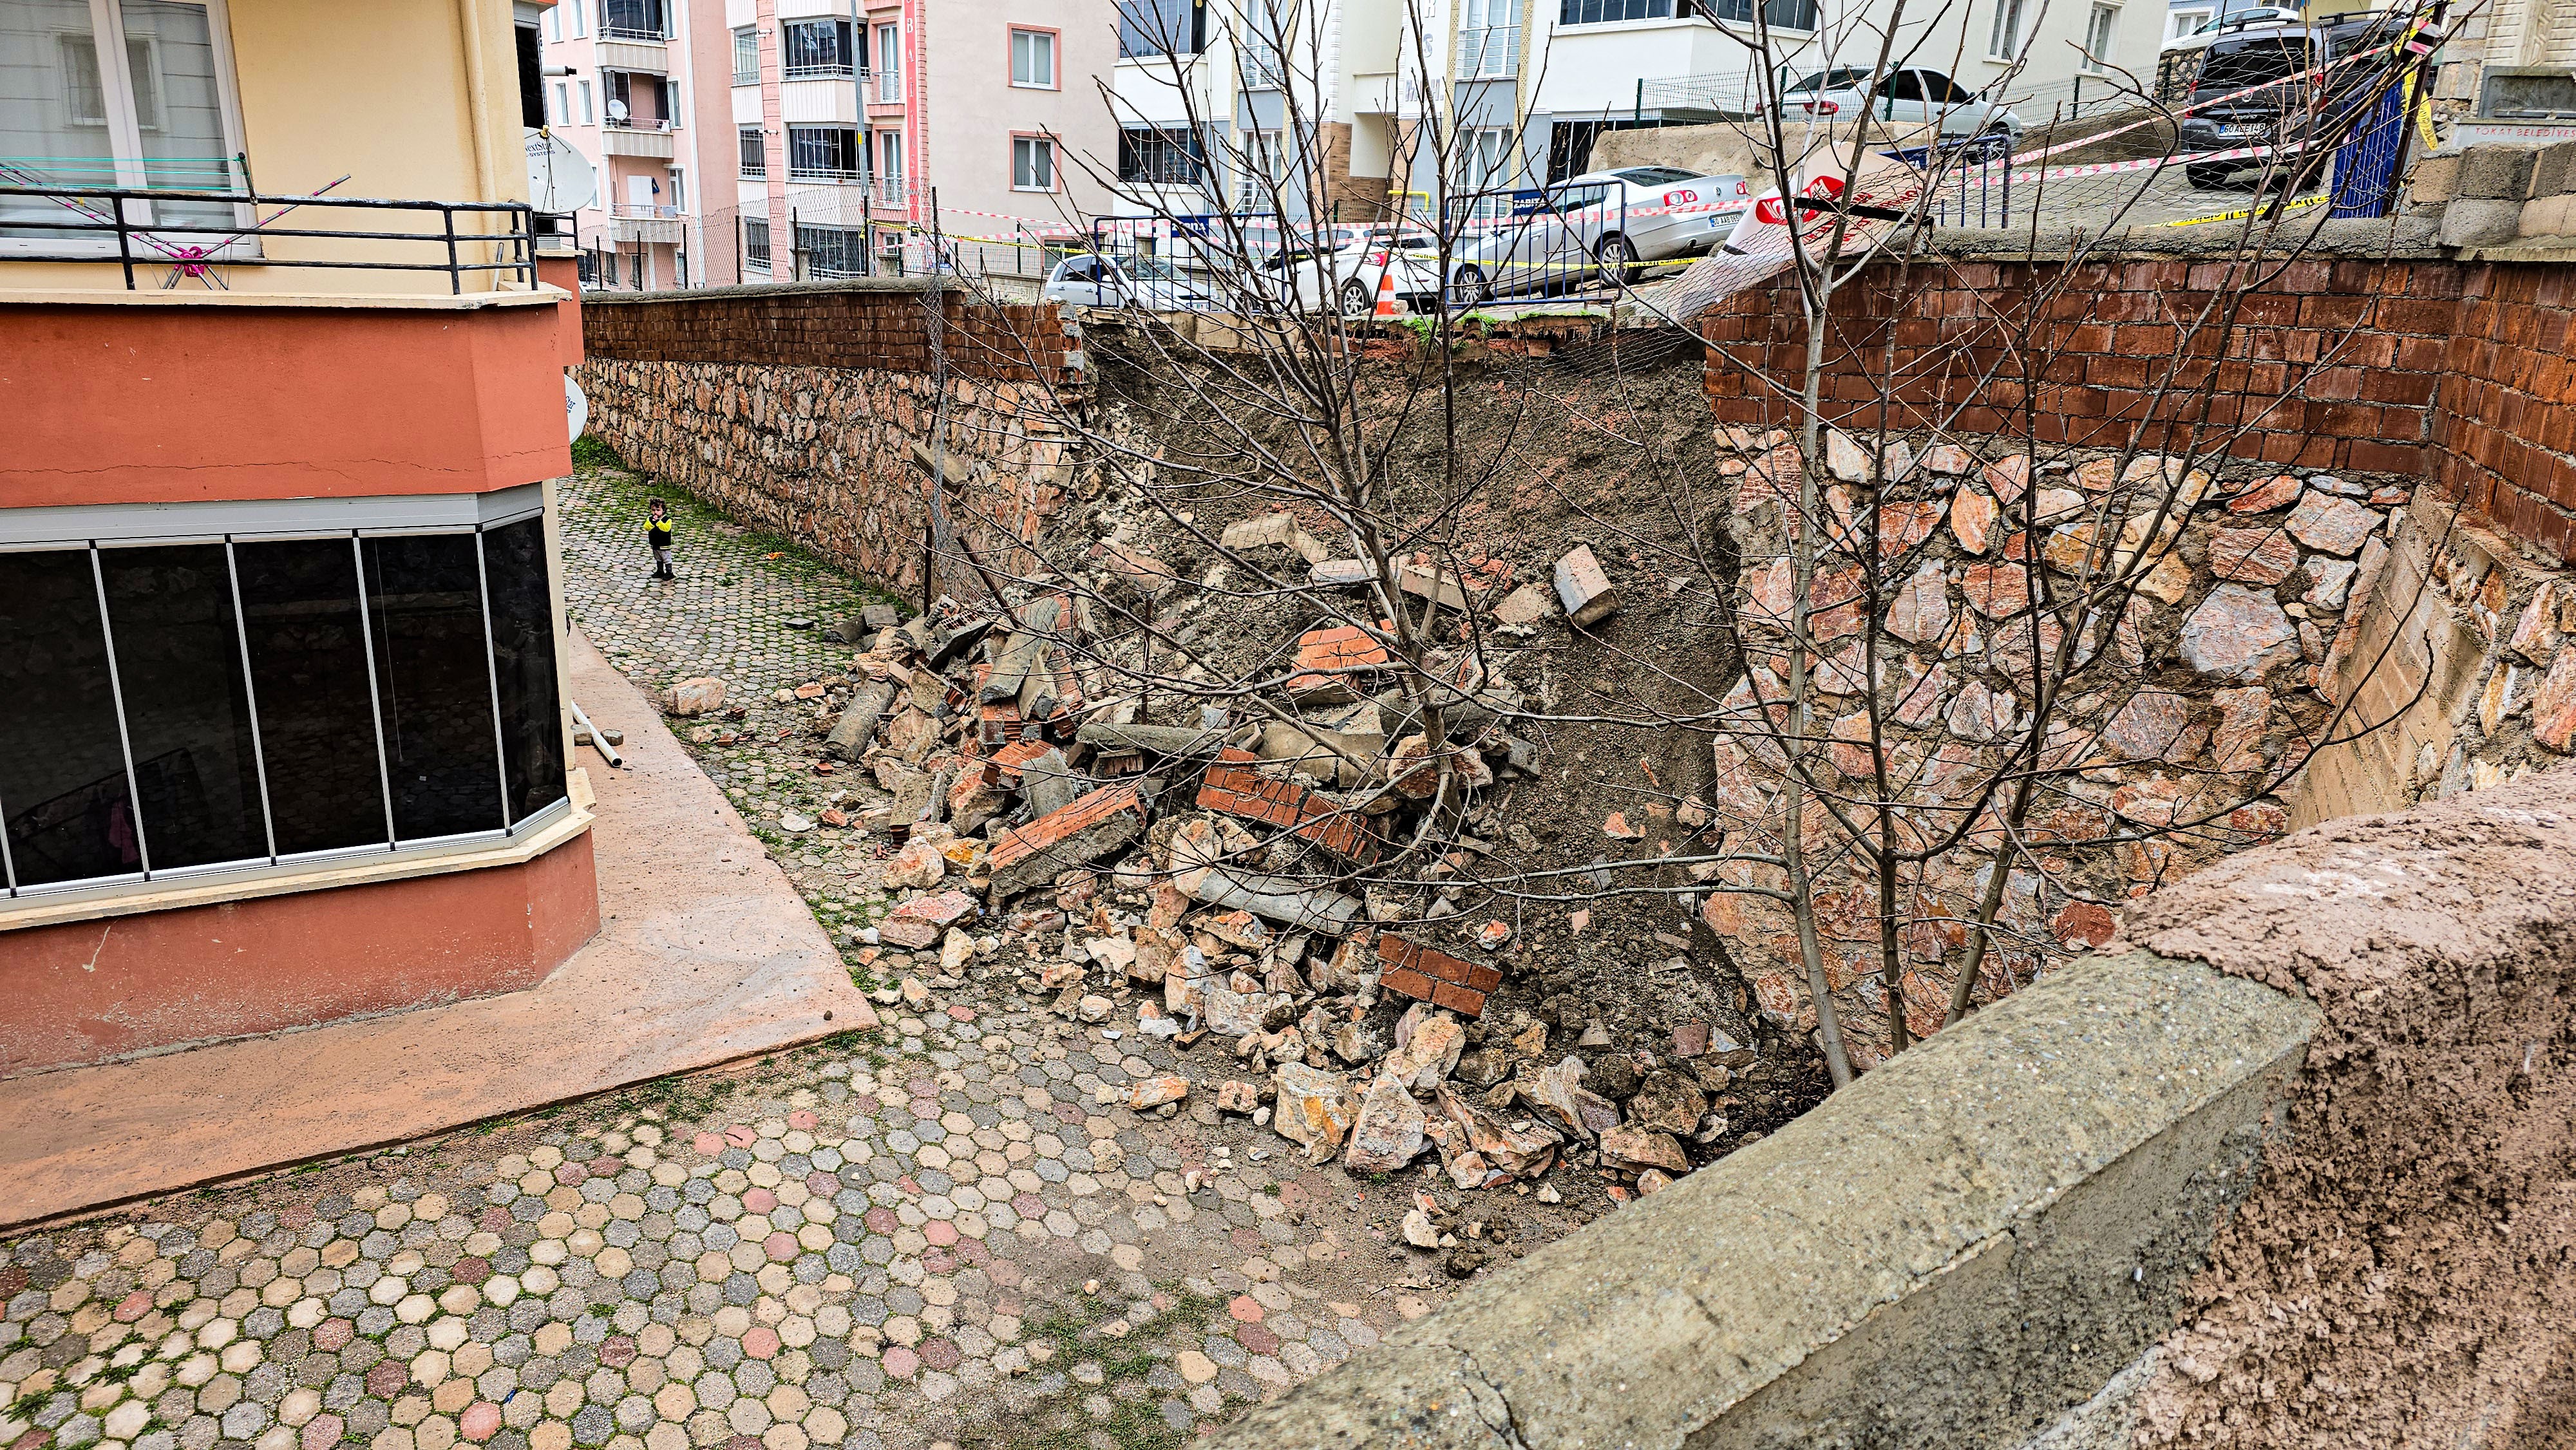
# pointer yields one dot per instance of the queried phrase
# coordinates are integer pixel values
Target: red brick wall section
(1231, 785)
(1428, 975)
(835, 325)
(2310, 391)
(2427, 367)
(2506, 425)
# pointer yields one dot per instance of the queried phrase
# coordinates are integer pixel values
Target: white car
(1916, 96)
(1601, 222)
(1096, 279)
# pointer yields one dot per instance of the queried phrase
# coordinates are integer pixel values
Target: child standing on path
(657, 532)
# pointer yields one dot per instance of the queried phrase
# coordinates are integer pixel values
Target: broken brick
(1080, 833)
(919, 923)
(1430, 975)
(1583, 589)
(1232, 786)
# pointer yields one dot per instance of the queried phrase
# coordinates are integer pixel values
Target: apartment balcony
(629, 222)
(820, 99)
(652, 138)
(186, 346)
(632, 53)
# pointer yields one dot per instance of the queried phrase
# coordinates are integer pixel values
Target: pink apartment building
(847, 115)
(638, 87)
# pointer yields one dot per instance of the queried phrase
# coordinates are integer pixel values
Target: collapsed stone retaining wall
(812, 410)
(2298, 1170)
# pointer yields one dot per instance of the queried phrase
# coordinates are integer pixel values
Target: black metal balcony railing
(110, 213)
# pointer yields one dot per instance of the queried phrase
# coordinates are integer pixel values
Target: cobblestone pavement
(933, 1234)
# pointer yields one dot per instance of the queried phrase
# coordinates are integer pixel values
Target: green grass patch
(589, 452)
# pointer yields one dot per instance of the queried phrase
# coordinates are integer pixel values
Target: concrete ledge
(1957, 1250)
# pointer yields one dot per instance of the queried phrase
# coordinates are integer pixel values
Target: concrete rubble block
(1281, 900)
(1047, 783)
(1153, 1092)
(1510, 1152)
(1522, 608)
(1636, 1149)
(1387, 1132)
(917, 867)
(919, 923)
(2496, 173)
(1428, 1056)
(1428, 975)
(697, 695)
(1583, 589)
(1313, 1108)
(2477, 222)
(1422, 582)
(1090, 828)
(1334, 756)
(1169, 742)
(1341, 573)
(1559, 1092)
(1668, 1102)
(1260, 529)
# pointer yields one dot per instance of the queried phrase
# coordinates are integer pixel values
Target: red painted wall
(91, 991)
(147, 404)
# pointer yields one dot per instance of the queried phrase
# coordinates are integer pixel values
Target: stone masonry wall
(812, 411)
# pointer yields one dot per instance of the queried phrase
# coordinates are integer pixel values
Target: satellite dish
(576, 407)
(560, 179)
(617, 111)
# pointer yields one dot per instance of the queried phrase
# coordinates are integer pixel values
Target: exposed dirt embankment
(2406, 1272)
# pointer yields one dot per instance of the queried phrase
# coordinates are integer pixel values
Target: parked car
(1918, 96)
(1621, 221)
(1097, 279)
(2248, 88)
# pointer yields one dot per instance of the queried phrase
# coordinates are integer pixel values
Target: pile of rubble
(1212, 882)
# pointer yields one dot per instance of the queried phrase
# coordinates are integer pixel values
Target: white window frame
(2004, 42)
(125, 131)
(2179, 23)
(2101, 24)
(889, 56)
(1027, 77)
(1039, 150)
(589, 111)
(742, 33)
(1489, 39)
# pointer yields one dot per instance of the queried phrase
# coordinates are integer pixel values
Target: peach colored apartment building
(282, 723)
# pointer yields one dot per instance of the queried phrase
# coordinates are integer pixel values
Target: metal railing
(651, 211)
(1529, 241)
(826, 173)
(121, 214)
(642, 123)
(634, 32)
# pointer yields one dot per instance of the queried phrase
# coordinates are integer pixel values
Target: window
(1033, 59)
(755, 150)
(1602, 12)
(889, 64)
(1153, 156)
(149, 106)
(1775, 14)
(175, 708)
(1161, 27)
(746, 56)
(1256, 189)
(755, 244)
(2097, 38)
(580, 12)
(810, 48)
(890, 163)
(1032, 163)
(2179, 23)
(1266, 32)
(823, 153)
(588, 115)
(1484, 159)
(832, 251)
(634, 19)
(2005, 42)
(1489, 38)
(563, 104)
